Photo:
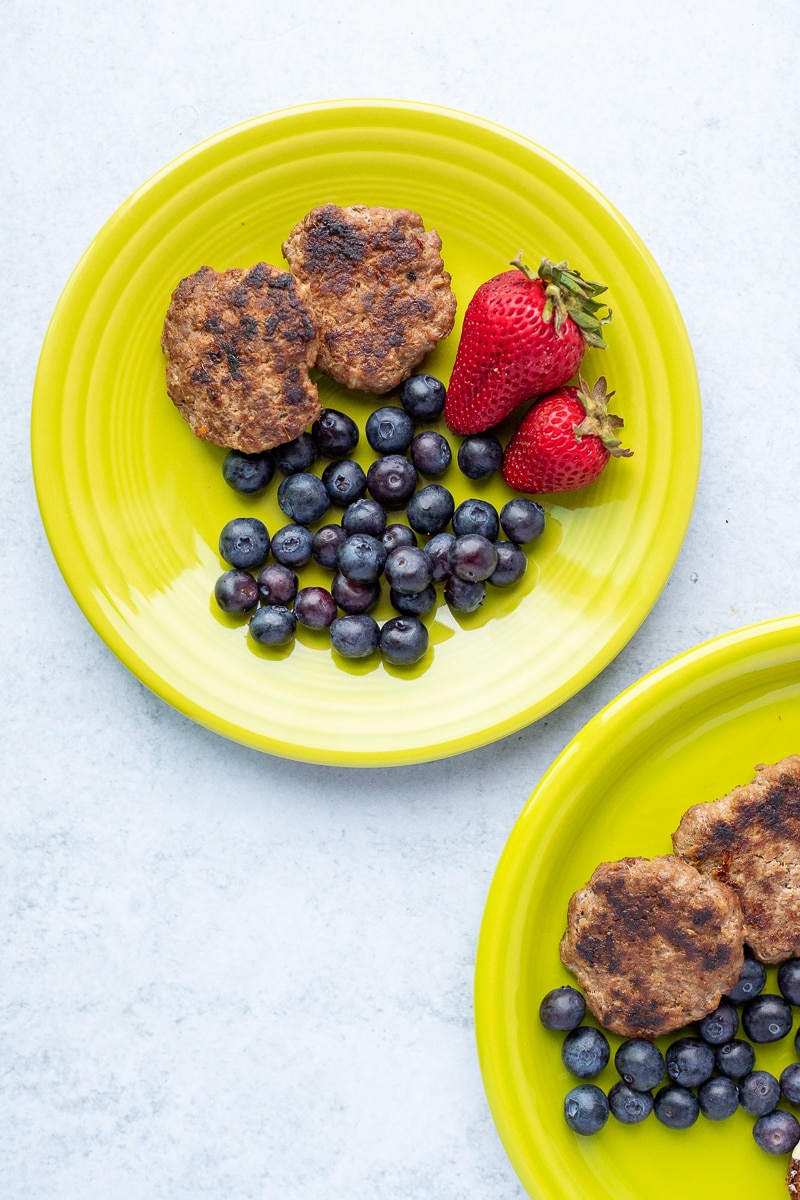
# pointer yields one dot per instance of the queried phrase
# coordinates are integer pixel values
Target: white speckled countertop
(229, 975)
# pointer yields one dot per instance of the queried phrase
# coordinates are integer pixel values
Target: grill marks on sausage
(750, 840)
(239, 345)
(654, 944)
(375, 285)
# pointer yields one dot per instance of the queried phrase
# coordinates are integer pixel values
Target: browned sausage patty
(239, 344)
(654, 944)
(750, 840)
(375, 284)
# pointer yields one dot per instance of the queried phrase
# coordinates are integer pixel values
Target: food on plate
(523, 335)
(248, 473)
(403, 640)
(563, 1008)
(239, 344)
(749, 841)
(389, 430)
(586, 1108)
(767, 1018)
(375, 285)
(565, 441)
(244, 542)
(777, 1132)
(793, 1174)
(654, 943)
(423, 397)
(479, 455)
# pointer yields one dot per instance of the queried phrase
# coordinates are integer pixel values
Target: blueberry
(462, 596)
(676, 1107)
(248, 473)
(398, 535)
(431, 453)
(423, 397)
(438, 551)
(628, 1105)
(719, 1026)
(479, 455)
(325, 545)
(272, 625)
(790, 1082)
(364, 516)
(735, 1059)
(586, 1108)
(403, 641)
(789, 980)
(354, 597)
(512, 563)
(408, 569)
(315, 607)
(244, 542)
(355, 636)
(303, 497)
(751, 981)
(640, 1063)
(334, 433)
(476, 516)
(413, 604)
(718, 1097)
(585, 1051)
(767, 1018)
(522, 520)
(361, 558)
(344, 481)
(472, 557)
(297, 455)
(759, 1093)
(563, 1008)
(389, 430)
(277, 584)
(391, 480)
(778, 1132)
(430, 509)
(236, 592)
(689, 1061)
(291, 545)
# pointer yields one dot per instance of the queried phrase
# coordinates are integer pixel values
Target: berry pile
(465, 547)
(708, 1071)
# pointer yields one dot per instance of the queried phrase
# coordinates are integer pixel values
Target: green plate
(686, 733)
(133, 503)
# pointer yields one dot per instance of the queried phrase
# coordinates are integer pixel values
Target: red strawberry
(523, 335)
(564, 441)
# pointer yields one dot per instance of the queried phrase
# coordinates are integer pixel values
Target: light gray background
(224, 974)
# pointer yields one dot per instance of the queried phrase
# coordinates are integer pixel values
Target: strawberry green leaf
(599, 422)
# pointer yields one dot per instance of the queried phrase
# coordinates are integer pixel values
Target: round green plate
(133, 503)
(688, 732)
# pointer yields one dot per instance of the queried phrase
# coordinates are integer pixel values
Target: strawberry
(564, 441)
(523, 335)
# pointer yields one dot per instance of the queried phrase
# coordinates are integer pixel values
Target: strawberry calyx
(599, 422)
(568, 294)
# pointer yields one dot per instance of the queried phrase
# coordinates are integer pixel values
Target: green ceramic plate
(686, 733)
(133, 504)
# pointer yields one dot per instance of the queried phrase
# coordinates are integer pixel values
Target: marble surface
(229, 975)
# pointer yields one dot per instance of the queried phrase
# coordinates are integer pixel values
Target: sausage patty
(654, 944)
(239, 344)
(375, 284)
(750, 840)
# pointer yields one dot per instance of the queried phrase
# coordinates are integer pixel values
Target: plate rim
(691, 433)
(669, 680)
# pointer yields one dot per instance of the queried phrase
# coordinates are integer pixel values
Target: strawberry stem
(599, 422)
(568, 294)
